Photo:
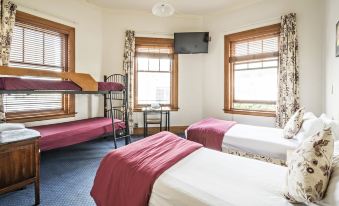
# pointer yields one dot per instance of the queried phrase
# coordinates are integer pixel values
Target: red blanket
(126, 175)
(209, 132)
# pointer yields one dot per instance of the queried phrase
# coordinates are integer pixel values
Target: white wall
(99, 51)
(115, 23)
(87, 20)
(332, 62)
(267, 12)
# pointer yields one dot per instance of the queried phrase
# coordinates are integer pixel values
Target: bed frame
(88, 86)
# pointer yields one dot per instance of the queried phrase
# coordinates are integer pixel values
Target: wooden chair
(152, 117)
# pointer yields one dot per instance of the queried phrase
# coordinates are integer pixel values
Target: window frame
(148, 41)
(229, 70)
(68, 102)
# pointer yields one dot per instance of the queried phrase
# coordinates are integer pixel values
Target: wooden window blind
(251, 65)
(43, 45)
(155, 72)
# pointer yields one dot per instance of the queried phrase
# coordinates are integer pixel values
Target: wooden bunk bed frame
(88, 85)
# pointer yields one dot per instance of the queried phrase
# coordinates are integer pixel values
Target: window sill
(140, 109)
(22, 118)
(251, 113)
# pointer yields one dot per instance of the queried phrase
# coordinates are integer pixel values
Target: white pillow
(310, 127)
(333, 124)
(11, 126)
(309, 115)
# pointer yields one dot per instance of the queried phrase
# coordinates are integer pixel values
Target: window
(156, 73)
(251, 66)
(43, 45)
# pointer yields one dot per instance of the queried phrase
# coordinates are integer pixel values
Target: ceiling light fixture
(163, 9)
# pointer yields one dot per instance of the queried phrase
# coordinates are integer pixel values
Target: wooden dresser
(20, 165)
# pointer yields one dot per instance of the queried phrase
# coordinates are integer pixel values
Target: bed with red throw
(126, 175)
(255, 142)
(209, 132)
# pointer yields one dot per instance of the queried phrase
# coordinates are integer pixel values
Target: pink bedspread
(126, 175)
(69, 133)
(209, 132)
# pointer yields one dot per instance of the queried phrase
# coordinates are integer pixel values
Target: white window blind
(255, 64)
(154, 74)
(36, 48)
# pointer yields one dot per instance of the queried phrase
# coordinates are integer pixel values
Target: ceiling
(188, 7)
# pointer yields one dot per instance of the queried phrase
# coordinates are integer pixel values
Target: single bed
(256, 142)
(203, 177)
(65, 134)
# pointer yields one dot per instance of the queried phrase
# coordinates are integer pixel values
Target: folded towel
(17, 135)
(11, 126)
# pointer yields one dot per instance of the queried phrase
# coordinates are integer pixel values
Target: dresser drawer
(17, 162)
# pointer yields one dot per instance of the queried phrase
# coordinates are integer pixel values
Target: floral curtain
(128, 67)
(288, 72)
(7, 20)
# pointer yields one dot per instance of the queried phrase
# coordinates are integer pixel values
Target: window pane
(32, 102)
(241, 49)
(270, 45)
(153, 87)
(255, 85)
(53, 50)
(153, 64)
(253, 106)
(254, 47)
(142, 64)
(165, 65)
(33, 46)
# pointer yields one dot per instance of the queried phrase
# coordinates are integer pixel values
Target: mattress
(12, 83)
(208, 177)
(258, 140)
(69, 133)
(235, 181)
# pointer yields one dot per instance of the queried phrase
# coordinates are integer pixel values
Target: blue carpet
(67, 175)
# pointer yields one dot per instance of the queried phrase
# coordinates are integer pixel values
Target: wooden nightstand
(20, 165)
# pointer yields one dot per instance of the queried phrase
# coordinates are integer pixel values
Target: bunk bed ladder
(126, 106)
(118, 112)
(112, 117)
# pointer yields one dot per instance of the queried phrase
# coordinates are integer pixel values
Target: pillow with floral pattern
(293, 125)
(309, 169)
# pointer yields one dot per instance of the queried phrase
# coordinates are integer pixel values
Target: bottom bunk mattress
(69, 133)
(199, 177)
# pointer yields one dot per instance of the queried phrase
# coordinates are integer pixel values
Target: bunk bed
(114, 89)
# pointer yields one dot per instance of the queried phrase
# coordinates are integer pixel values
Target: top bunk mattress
(13, 83)
(259, 140)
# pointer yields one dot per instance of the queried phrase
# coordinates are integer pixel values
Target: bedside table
(20, 165)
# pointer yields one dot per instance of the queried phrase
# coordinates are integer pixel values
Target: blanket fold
(209, 132)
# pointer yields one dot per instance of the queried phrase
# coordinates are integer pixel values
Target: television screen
(191, 42)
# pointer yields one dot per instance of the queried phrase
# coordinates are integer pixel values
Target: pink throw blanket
(126, 175)
(209, 132)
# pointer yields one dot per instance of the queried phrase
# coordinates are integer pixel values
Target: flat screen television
(191, 42)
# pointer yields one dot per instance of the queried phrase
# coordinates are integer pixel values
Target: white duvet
(208, 177)
(259, 140)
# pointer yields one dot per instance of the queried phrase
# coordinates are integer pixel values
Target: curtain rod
(24, 7)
